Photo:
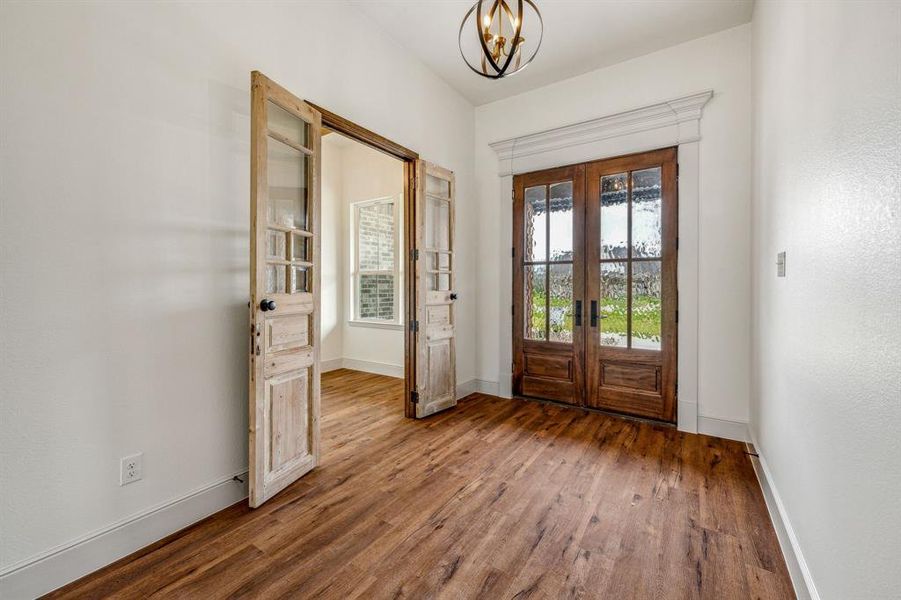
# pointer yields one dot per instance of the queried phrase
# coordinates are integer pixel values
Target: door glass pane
(561, 302)
(275, 279)
(300, 249)
(287, 172)
(300, 279)
(535, 291)
(646, 212)
(275, 245)
(646, 288)
(614, 216)
(437, 186)
(286, 125)
(614, 309)
(535, 224)
(441, 261)
(437, 223)
(561, 224)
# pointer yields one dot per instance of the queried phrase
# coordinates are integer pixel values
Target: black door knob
(267, 305)
(453, 296)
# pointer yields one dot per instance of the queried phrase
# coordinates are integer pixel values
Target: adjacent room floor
(493, 499)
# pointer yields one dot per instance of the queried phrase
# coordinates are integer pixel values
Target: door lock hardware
(267, 305)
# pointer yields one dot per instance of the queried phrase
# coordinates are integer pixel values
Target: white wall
(355, 172)
(720, 62)
(334, 254)
(827, 376)
(124, 235)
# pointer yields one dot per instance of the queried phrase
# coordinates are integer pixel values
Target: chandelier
(501, 43)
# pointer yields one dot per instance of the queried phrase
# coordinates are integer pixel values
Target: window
(376, 274)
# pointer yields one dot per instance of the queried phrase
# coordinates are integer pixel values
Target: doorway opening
(363, 271)
(595, 254)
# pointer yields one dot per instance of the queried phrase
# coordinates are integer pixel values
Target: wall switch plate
(131, 468)
(780, 264)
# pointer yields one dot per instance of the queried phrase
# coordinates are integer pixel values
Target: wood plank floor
(493, 499)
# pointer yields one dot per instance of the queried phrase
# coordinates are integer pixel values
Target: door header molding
(675, 122)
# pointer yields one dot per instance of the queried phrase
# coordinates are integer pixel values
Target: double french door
(595, 284)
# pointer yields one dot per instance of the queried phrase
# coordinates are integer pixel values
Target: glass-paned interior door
(435, 332)
(548, 274)
(284, 289)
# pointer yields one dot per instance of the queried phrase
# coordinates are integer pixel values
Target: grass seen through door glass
(645, 323)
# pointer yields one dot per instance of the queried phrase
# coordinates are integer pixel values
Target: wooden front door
(548, 284)
(622, 356)
(284, 289)
(434, 330)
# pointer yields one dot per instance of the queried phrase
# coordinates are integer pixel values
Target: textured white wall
(720, 62)
(827, 337)
(124, 235)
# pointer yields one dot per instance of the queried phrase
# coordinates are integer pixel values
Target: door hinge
(677, 171)
(512, 309)
(676, 391)
(414, 254)
(677, 316)
(512, 252)
(414, 397)
(414, 326)
(677, 242)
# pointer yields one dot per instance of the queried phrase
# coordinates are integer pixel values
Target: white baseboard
(332, 364)
(367, 366)
(473, 386)
(466, 388)
(64, 564)
(802, 580)
(730, 430)
(687, 416)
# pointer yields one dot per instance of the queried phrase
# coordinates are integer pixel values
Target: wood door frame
(352, 130)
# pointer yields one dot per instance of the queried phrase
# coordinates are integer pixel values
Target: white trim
(802, 579)
(466, 388)
(664, 124)
(332, 364)
(474, 386)
(721, 428)
(370, 366)
(682, 115)
(63, 564)
(376, 324)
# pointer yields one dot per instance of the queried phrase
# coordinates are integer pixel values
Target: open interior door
(284, 288)
(436, 379)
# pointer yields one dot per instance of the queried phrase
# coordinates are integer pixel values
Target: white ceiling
(579, 35)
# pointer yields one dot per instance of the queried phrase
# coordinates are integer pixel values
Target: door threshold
(591, 409)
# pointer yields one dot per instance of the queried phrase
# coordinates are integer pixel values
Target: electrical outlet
(131, 468)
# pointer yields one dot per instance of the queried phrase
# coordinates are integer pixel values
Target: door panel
(631, 219)
(284, 289)
(548, 284)
(598, 238)
(436, 380)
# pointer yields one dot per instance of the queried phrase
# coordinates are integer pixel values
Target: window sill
(377, 325)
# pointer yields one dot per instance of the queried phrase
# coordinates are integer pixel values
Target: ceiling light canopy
(500, 42)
